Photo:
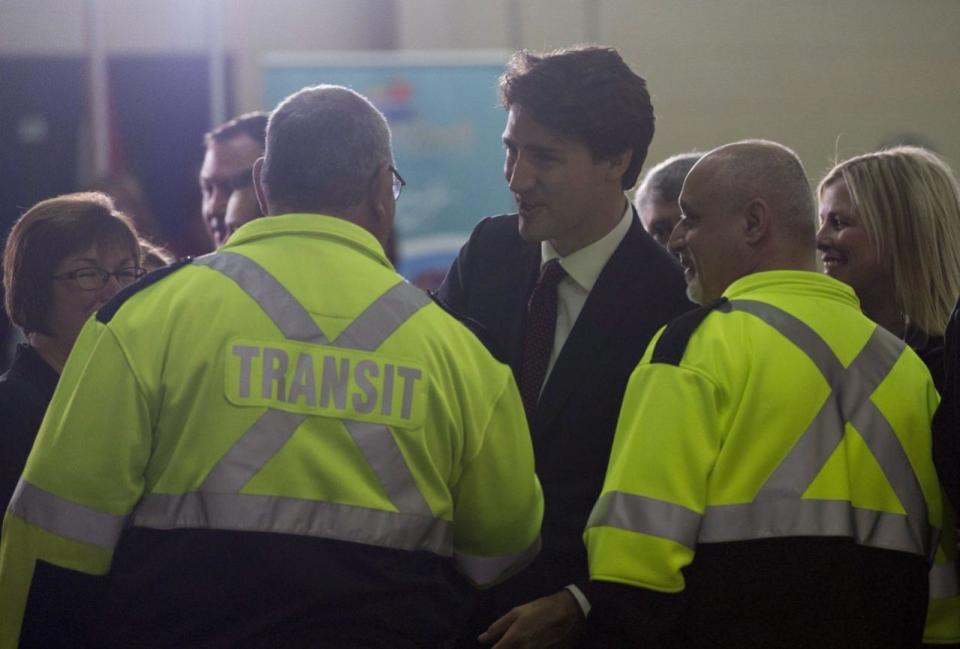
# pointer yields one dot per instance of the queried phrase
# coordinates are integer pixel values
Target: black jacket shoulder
(108, 310)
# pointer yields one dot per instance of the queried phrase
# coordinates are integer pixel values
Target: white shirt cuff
(581, 599)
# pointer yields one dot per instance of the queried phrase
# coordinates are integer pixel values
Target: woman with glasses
(64, 259)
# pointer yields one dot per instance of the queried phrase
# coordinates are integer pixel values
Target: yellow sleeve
(83, 476)
(498, 502)
(644, 527)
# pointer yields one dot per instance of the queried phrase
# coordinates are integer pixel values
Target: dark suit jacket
(639, 290)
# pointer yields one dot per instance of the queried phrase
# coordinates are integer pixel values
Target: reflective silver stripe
(268, 435)
(486, 571)
(804, 461)
(383, 317)
(794, 517)
(254, 449)
(275, 300)
(647, 516)
(851, 389)
(64, 517)
(319, 519)
(943, 581)
(385, 458)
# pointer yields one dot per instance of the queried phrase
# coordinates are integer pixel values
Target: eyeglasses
(94, 279)
(398, 182)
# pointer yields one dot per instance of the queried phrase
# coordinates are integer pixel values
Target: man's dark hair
(588, 93)
(253, 125)
(666, 179)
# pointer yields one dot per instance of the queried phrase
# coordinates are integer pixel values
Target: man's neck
(599, 225)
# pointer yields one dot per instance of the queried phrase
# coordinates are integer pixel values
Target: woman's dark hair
(44, 236)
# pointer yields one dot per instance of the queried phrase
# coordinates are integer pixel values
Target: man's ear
(382, 204)
(258, 186)
(617, 166)
(756, 221)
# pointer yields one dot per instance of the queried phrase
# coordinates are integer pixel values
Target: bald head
(747, 207)
(764, 170)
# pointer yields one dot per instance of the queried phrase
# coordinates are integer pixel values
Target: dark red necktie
(538, 334)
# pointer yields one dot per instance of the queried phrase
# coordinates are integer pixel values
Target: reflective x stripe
(367, 332)
(384, 316)
(64, 517)
(254, 449)
(646, 516)
(943, 580)
(849, 401)
(778, 509)
(275, 300)
(257, 513)
(486, 571)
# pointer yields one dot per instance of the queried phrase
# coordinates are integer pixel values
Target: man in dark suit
(569, 290)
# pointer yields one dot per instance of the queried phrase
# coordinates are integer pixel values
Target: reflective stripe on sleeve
(280, 515)
(943, 580)
(646, 516)
(64, 517)
(485, 571)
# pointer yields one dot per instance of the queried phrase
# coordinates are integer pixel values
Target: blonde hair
(909, 203)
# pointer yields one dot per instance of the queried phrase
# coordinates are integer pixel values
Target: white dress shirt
(583, 267)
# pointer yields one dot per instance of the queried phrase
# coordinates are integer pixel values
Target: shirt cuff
(582, 600)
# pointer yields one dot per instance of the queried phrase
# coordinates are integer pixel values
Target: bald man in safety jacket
(771, 481)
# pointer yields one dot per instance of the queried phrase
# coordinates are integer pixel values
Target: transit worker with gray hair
(771, 481)
(282, 443)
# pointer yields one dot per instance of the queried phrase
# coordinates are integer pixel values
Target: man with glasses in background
(301, 446)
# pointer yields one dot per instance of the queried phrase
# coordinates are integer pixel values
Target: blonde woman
(890, 228)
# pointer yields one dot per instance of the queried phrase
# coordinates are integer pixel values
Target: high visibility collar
(792, 282)
(315, 225)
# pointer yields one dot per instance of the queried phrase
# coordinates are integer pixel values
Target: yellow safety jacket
(788, 414)
(290, 383)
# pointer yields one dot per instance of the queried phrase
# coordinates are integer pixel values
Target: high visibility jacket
(783, 414)
(288, 391)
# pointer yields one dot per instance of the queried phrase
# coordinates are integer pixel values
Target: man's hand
(555, 621)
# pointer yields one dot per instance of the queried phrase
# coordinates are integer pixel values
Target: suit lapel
(595, 332)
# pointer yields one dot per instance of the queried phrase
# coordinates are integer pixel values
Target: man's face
(658, 216)
(708, 238)
(556, 182)
(241, 208)
(222, 164)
